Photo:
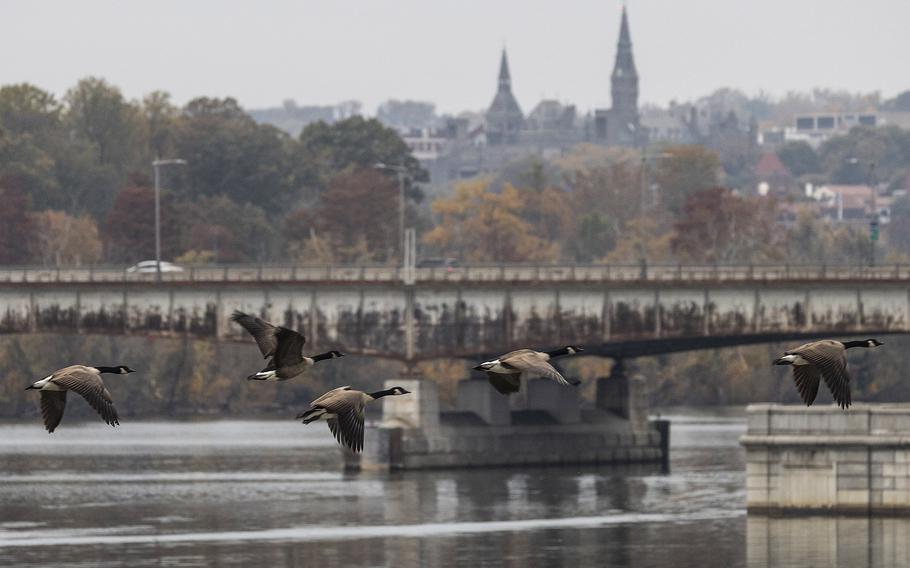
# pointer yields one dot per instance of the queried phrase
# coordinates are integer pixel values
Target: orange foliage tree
(479, 225)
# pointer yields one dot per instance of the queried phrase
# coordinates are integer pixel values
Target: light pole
(400, 171)
(156, 164)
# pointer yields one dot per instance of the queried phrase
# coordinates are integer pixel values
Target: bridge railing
(472, 273)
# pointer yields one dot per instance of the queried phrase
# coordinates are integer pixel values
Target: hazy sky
(322, 52)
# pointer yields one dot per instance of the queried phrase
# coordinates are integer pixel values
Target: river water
(271, 493)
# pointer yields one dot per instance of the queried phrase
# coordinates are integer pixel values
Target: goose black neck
(849, 344)
(382, 393)
(558, 352)
(114, 370)
(322, 356)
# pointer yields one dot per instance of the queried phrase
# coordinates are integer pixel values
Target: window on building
(825, 122)
(805, 123)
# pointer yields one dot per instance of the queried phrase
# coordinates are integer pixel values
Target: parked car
(147, 266)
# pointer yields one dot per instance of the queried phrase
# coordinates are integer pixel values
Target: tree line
(76, 179)
(77, 186)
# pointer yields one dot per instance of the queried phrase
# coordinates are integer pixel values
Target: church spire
(505, 79)
(504, 117)
(624, 90)
(625, 62)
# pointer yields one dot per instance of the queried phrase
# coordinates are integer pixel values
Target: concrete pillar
(613, 391)
(381, 451)
(484, 401)
(419, 410)
(558, 400)
(623, 396)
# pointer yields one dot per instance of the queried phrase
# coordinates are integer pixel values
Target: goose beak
(478, 368)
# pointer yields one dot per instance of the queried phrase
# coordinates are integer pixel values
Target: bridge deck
(475, 273)
(470, 310)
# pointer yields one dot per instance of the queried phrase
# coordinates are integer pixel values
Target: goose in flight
(86, 381)
(505, 372)
(825, 359)
(283, 345)
(343, 408)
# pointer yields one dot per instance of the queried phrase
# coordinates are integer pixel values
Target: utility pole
(400, 172)
(156, 164)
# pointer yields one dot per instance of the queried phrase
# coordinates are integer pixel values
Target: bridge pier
(623, 396)
(548, 427)
(480, 398)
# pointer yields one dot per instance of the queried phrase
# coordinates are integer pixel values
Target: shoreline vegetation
(189, 378)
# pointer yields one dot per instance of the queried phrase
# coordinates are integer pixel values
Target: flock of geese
(343, 408)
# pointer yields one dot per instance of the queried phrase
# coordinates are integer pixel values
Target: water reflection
(851, 542)
(202, 495)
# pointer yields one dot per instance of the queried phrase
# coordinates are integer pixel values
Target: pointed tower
(504, 117)
(624, 124)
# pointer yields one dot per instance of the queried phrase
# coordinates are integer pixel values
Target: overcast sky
(266, 51)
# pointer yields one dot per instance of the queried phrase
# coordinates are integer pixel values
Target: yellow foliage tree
(64, 240)
(479, 225)
(647, 238)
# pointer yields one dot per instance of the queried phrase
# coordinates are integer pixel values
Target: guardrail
(473, 273)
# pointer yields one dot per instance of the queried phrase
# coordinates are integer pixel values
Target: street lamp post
(156, 164)
(400, 171)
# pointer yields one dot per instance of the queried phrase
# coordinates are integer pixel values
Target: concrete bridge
(411, 314)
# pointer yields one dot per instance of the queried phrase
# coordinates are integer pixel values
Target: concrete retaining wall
(827, 459)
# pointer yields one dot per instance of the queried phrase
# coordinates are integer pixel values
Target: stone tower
(623, 126)
(504, 118)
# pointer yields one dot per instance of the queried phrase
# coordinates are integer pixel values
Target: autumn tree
(31, 135)
(799, 158)
(219, 230)
(98, 114)
(683, 170)
(847, 159)
(717, 225)
(229, 154)
(817, 241)
(325, 150)
(16, 227)
(65, 240)
(479, 225)
(358, 214)
(129, 230)
(647, 237)
(160, 119)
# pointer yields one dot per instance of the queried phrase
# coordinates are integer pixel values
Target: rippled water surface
(260, 493)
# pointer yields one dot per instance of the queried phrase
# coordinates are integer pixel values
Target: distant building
(772, 177)
(852, 204)
(619, 125)
(816, 128)
(504, 119)
(425, 145)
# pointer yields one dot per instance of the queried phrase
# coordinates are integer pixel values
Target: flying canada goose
(283, 345)
(505, 373)
(84, 380)
(342, 408)
(823, 359)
